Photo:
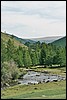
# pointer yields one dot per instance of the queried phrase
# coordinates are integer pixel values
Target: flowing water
(38, 77)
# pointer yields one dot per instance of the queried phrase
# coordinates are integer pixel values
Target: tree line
(36, 54)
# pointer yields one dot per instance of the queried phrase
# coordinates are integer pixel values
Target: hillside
(60, 42)
(24, 40)
(46, 39)
(5, 37)
(21, 40)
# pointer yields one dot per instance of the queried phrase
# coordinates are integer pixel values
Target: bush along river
(33, 77)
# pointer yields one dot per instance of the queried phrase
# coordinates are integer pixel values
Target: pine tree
(10, 49)
(43, 57)
(60, 57)
(19, 57)
(27, 59)
(33, 58)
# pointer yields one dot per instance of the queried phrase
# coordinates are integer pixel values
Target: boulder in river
(7, 84)
(55, 80)
(46, 81)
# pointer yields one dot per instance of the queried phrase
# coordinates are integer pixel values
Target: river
(33, 77)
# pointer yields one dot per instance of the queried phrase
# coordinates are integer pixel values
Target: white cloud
(33, 18)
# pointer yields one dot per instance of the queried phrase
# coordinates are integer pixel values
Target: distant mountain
(47, 39)
(60, 42)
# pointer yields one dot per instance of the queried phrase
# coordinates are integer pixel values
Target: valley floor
(50, 90)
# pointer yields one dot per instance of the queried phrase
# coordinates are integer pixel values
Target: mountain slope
(47, 39)
(24, 40)
(5, 37)
(60, 42)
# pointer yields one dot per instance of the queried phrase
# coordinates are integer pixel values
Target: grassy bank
(51, 90)
(58, 71)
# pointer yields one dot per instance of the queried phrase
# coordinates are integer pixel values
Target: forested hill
(6, 36)
(24, 40)
(60, 42)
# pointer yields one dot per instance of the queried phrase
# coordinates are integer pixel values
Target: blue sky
(30, 19)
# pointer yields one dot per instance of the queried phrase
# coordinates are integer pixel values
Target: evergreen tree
(10, 49)
(3, 52)
(27, 59)
(37, 53)
(49, 55)
(60, 57)
(33, 58)
(19, 57)
(43, 57)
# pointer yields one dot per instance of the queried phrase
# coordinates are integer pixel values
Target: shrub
(9, 71)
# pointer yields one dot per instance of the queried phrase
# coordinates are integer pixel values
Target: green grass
(44, 90)
(58, 71)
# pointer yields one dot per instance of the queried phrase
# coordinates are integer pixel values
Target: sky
(33, 19)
